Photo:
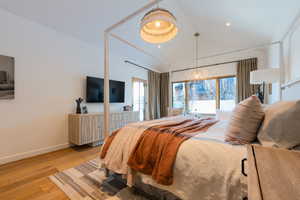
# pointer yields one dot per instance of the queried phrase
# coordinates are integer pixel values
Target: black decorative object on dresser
(78, 107)
(85, 110)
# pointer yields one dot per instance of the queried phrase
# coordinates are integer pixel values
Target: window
(139, 96)
(202, 96)
(205, 96)
(179, 95)
(227, 93)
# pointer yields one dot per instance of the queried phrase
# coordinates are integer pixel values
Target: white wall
(291, 49)
(291, 63)
(273, 61)
(50, 71)
(291, 52)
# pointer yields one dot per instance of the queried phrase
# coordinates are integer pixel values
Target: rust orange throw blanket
(155, 152)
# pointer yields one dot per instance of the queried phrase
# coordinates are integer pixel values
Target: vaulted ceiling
(253, 22)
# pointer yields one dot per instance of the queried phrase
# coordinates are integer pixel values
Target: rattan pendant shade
(158, 26)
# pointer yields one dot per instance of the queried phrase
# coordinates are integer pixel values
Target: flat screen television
(95, 90)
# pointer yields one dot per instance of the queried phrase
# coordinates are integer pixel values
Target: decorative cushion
(281, 127)
(245, 121)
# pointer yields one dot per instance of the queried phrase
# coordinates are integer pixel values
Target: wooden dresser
(273, 174)
(88, 128)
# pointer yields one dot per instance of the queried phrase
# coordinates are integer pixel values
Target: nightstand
(273, 174)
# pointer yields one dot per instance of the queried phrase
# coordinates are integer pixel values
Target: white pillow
(281, 126)
(223, 115)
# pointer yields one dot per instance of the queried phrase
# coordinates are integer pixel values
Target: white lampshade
(158, 26)
(267, 76)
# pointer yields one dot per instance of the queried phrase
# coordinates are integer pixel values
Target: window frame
(218, 98)
(145, 82)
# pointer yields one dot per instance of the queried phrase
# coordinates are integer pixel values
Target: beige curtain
(164, 94)
(244, 88)
(154, 95)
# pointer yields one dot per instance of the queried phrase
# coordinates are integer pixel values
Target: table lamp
(262, 77)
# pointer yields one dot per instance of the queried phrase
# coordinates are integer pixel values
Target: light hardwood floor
(28, 178)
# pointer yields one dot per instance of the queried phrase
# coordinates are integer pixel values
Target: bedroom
(53, 46)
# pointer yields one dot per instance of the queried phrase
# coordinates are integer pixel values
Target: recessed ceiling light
(228, 24)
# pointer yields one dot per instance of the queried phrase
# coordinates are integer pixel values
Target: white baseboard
(28, 154)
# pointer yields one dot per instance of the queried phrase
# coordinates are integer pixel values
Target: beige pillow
(245, 121)
(281, 127)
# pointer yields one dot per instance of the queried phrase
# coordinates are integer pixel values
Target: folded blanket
(156, 149)
(107, 144)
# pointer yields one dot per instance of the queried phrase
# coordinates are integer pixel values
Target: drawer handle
(243, 167)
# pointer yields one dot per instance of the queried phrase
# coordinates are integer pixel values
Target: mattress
(207, 168)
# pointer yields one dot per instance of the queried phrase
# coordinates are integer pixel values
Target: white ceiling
(254, 22)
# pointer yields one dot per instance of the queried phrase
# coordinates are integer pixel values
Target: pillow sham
(281, 126)
(245, 121)
(223, 115)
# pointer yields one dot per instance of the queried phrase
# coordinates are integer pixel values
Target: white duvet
(206, 168)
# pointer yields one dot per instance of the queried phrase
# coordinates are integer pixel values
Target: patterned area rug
(88, 182)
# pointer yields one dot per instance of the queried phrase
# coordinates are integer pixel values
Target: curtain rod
(204, 66)
(140, 66)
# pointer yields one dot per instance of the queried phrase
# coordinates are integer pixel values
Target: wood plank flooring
(28, 178)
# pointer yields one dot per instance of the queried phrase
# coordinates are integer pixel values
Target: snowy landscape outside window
(205, 96)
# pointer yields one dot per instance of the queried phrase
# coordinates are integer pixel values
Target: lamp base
(261, 94)
(261, 97)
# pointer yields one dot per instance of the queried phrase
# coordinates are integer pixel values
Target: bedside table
(273, 174)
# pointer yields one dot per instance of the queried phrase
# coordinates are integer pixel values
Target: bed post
(107, 33)
(106, 85)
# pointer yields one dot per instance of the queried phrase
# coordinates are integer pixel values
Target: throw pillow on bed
(245, 121)
(281, 126)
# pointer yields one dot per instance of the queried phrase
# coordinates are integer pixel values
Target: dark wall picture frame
(7, 77)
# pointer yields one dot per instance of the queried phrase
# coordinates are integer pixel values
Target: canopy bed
(198, 157)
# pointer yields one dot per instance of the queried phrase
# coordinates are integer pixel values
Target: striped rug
(88, 182)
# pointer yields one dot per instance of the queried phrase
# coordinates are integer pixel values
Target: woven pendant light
(158, 26)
